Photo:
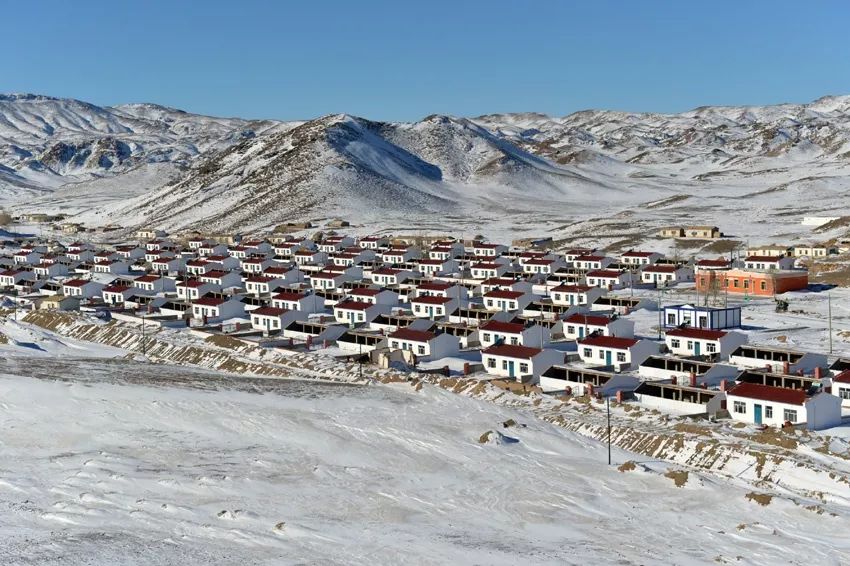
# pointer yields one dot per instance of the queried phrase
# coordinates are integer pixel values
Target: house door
(696, 348)
(581, 331)
(757, 414)
(607, 357)
(510, 369)
(430, 312)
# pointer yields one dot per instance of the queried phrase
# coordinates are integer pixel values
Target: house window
(690, 345)
(571, 329)
(789, 415)
(621, 356)
(675, 343)
(763, 285)
(491, 362)
(844, 393)
(746, 284)
(739, 407)
(710, 347)
(768, 411)
(395, 344)
(486, 336)
(514, 340)
(523, 368)
(361, 317)
(671, 319)
(588, 353)
(505, 364)
(601, 354)
(420, 350)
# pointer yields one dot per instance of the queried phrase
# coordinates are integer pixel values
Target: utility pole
(360, 360)
(660, 311)
(144, 342)
(608, 409)
(829, 315)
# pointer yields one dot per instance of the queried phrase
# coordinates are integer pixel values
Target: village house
(590, 262)
(256, 265)
(608, 279)
(424, 344)
(508, 301)
(771, 250)
(672, 232)
(814, 251)
(194, 289)
(753, 282)
(639, 258)
(703, 342)
(224, 279)
(441, 289)
(712, 264)
(82, 288)
(398, 256)
(154, 284)
(298, 301)
(273, 319)
(49, 270)
(59, 303)
(358, 312)
(197, 243)
(117, 294)
(577, 326)
(488, 270)
(769, 262)
(168, 265)
(214, 309)
(680, 399)
(151, 257)
(433, 306)
(494, 332)
(150, 233)
(522, 363)
(306, 257)
(132, 253)
(372, 242)
(504, 283)
(702, 232)
(687, 370)
(575, 295)
(437, 267)
(212, 249)
(624, 353)
(260, 285)
(116, 267)
(666, 275)
(80, 255)
(387, 276)
(483, 249)
(775, 406)
(542, 265)
(374, 296)
(328, 280)
(841, 387)
(27, 256)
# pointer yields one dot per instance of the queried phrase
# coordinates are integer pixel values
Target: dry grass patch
(679, 477)
(627, 466)
(762, 499)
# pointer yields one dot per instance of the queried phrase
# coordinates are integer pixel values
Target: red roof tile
(512, 351)
(431, 300)
(503, 294)
(269, 311)
(614, 342)
(506, 327)
(590, 320)
(412, 335)
(698, 333)
(353, 305)
(768, 393)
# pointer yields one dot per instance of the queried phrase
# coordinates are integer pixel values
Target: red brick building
(759, 283)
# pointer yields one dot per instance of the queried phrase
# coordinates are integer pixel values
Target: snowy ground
(141, 465)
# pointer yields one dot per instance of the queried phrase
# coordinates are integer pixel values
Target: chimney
(619, 396)
(786, 367)
(817, 373)
(723, 385)
(693, 379)
(673, 379)
(589, 388)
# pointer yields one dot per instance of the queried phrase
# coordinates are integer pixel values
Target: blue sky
(404, 60)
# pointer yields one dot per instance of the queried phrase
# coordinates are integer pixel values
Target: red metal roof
(573, 288)
(431, 300)
(506, 327)
(435, 286)
(633, 253)
(503, 294)
(412, 335)
(591, 320)
(215, 274)
(764, 258)
(210, 301)
(289, 296)
(614, 342)
(590, 258)
(768, 393)
(843, 377)
(269, 311)
(713, 263)
(353, 305)
(365, 292)
(660, 269)
(72, 282)
(604, 274)
(512, 351)
(699, 333)
(148, 278)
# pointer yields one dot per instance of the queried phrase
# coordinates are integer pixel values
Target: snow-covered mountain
(178, 170)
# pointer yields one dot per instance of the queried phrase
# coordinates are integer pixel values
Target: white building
(426, 345)
(495, 332)
(625, 353)
(579, 325)
(774, 406)
(522, 363)
(575, 295)
(703, 342)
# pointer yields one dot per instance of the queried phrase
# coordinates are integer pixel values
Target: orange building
(765, 283)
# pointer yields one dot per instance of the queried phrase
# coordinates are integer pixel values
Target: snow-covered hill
(527, 171)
